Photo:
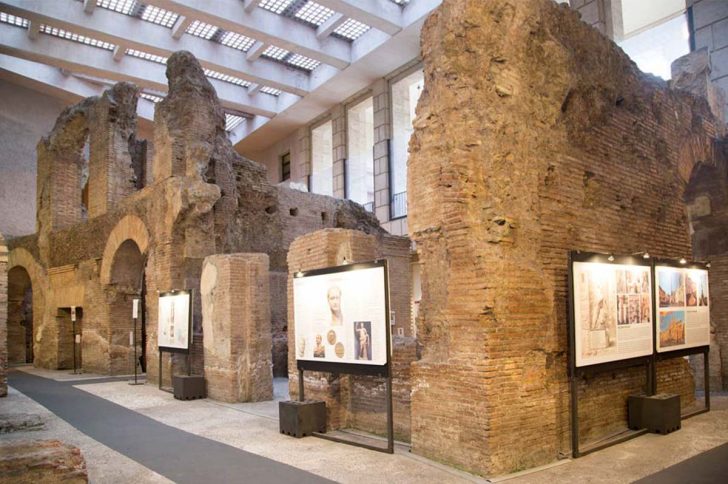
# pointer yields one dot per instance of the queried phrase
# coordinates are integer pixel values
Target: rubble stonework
(112, 224)
(538, 137)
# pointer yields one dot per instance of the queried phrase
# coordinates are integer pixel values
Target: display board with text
(683, 307)
(612, 310)
(341, 315)
(173, 323)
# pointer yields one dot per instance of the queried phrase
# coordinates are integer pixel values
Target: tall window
(405, 94)
(322, 159)
(360, 160)
(653, 34)
(286, 166)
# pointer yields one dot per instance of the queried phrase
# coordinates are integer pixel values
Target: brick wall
(576, 150)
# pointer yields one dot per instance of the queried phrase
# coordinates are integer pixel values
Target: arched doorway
(20, 316)
(126, 282)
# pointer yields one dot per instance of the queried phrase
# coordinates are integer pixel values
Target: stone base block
(41, 461)
(299, 419)
(658, 413)
(188, 387)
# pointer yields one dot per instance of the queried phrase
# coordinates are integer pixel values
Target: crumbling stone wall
(535, 135)
(356, 401)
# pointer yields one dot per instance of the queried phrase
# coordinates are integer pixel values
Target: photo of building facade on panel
(672, 328)
(671, 288)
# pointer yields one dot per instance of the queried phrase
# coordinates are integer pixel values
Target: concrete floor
(254, 428)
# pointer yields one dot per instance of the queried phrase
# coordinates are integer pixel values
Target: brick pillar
(237, 327)
(719, 322)
(3, 317)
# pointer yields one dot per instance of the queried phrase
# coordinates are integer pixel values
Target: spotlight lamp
(610, 258)
(707, 265)
(683, 261)
(646, 255)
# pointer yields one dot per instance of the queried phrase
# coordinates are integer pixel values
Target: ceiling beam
(115, 28)
(381, 14)
(76, 57)
(47, 78)
(265, 26)
(328, 27)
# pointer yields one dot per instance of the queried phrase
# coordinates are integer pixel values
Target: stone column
(236, 324)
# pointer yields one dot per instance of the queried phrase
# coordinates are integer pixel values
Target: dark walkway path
(710, 467)
(173, 453)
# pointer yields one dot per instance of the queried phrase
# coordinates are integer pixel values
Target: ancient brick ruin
(537, 138)
(115, 221)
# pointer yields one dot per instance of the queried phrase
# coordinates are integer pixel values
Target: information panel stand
(578, 372)
(381, 370)
(176, 341)
(679, 325)
(136, 304)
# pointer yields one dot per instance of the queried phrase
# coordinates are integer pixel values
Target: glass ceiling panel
(127, 7)
(275, 6)
(232, 121)
(352, 29)
(313, 13)
(151, 97)
(13, 20)
(270, 90)
(159, 16)
(201, 29)
(146, 56)
(236, 41)
(226, 78)
(303, 62)
(64, 34)
(275, 52)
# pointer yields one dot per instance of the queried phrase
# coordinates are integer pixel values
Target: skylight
(226, 78)
(64, 34)
(401, 2)
(13, 20)
(275, 52)
(159, 16)
(303, 62)
(201, 29)
(232, 121)
(236, 41)
(351, 29)
(127, 7)
(146, 56)
(313, 13)
(275, 6)
(270, 90)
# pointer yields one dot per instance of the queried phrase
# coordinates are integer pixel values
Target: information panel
(173, 324)
(341, 315)
(612, 312)
(683, 307)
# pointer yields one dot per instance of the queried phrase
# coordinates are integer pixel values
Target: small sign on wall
(135, 308)
(73, 314)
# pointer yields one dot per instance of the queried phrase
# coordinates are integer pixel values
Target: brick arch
(128, 228)
(20, 257)
(695, 150)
